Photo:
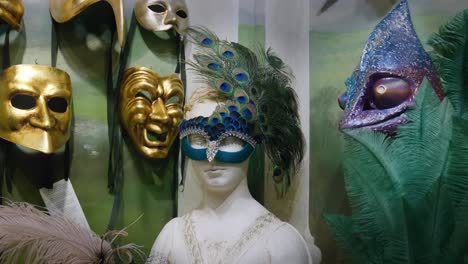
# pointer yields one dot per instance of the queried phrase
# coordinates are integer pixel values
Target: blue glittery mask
(233, 120)
(386, 81)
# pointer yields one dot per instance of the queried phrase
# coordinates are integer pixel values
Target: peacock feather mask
(261, 105)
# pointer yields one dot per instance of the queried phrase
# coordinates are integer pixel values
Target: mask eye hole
(58, 104)
(232, 144)
(173, 100)
(157, 8)
(145, 95)
(182, 14)
(23, 101)
(387, 92)
(198, 141)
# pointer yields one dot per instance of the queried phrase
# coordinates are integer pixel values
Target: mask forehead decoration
(64, 10)
(261, 106)
(35, 107)
(11, 11)
(386, 81)
(162, 15)
(151, 110)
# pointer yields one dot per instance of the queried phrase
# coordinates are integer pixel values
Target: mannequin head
(215, 176)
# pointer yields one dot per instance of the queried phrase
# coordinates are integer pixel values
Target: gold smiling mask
(162, 15)
(64, 10)
(35, 107)
(11, 11)
(150, 110)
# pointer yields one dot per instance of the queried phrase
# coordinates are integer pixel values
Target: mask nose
(159, 112)
(170, 19)
(42, 119)
(342, 100)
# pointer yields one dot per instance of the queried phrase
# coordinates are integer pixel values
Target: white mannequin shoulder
(269, 240)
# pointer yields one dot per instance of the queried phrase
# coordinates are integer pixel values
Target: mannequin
(229, 226)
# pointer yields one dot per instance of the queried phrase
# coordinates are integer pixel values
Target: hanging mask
(11, 11)
(151, 110)
(162, 15)
(64, 10)
(384, 84)
(35, 107)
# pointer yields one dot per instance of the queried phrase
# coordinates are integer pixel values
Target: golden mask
(151, 110)
(162, 15)
(64, 10)
(35, 107)
(11, 11)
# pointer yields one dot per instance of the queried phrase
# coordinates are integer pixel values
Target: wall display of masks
(59, 44)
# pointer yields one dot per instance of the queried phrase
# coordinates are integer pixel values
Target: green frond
(420, 149)
(450, 56)
(374, 195)
(457, 172)
(348, 238)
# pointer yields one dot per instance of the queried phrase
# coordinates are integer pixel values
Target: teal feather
(450, 56)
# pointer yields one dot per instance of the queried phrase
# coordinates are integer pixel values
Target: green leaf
(451, 59)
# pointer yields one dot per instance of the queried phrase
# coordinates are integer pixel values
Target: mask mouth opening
(155, 137)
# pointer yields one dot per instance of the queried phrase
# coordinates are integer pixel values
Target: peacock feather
(261, 101)
(409, 193)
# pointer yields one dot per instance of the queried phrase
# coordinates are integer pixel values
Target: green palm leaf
(451, 59)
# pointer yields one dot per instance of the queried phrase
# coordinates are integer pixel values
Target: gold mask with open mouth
(150, 110)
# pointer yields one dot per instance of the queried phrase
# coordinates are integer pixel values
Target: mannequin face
(217, 176)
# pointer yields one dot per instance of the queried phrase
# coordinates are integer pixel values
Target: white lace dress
(266, 240)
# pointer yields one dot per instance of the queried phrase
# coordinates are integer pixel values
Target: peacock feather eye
(389, 92)
(240, 75)
(278, 174)
(228, 53)
(224, 86)
(213, 66)
(207, 41)
(241, 97)
(215, 119)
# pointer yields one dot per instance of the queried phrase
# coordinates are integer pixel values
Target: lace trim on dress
(233, 252)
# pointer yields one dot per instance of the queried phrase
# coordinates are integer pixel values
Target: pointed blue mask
(385, 82)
